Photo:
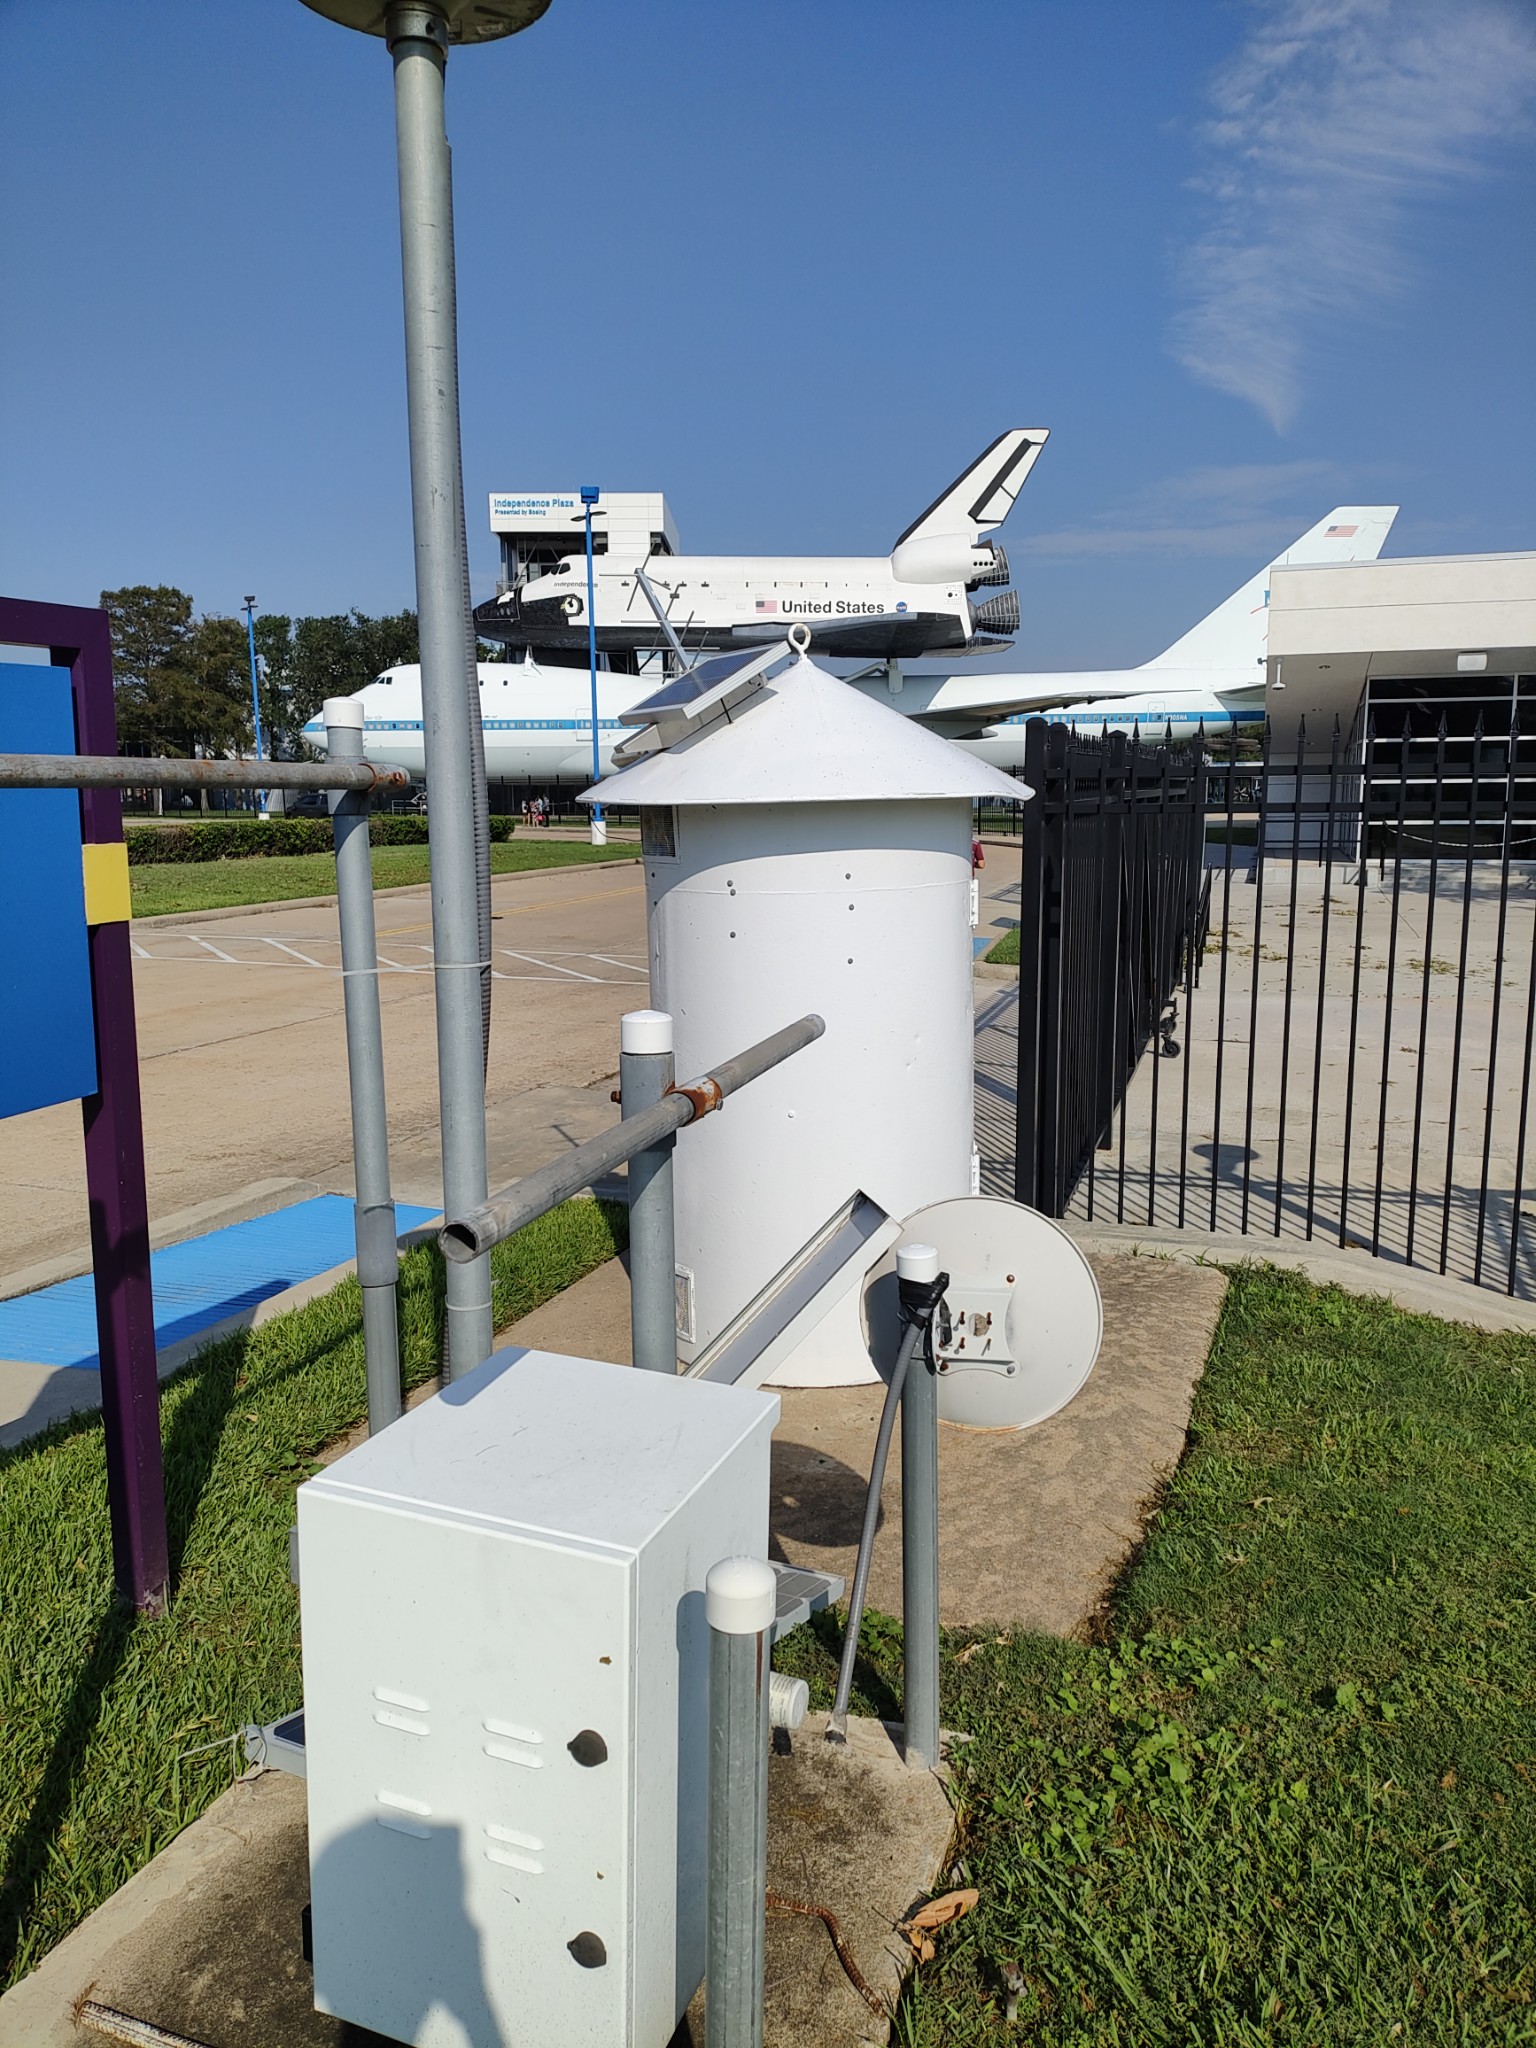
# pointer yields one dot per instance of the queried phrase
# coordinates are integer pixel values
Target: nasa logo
(901, 605)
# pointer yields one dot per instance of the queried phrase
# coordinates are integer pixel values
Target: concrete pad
(855, 1830)
(205, 1940)
(851, 1829)
(1035, 1524)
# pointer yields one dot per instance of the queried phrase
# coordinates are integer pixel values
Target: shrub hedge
(250, 839)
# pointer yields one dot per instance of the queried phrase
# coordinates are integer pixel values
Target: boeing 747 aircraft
(1212, 677)
(538, 721)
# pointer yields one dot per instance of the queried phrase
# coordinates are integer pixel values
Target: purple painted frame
(78, 638)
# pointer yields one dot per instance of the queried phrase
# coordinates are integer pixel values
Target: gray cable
(911, 1337)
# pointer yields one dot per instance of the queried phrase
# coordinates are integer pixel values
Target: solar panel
(706, 686)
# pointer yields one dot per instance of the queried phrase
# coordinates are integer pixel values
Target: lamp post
(250, 641)
(418, 33)
(589, 497)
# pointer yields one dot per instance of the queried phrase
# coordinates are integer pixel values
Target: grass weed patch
(1006, 952)
(167, 886)
(1291, 1797)
(117, 1731)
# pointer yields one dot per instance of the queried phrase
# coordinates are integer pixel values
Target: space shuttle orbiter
(916, 600)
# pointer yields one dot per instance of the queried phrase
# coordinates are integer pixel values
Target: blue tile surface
(198, 1283)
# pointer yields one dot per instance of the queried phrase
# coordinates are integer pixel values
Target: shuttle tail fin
(982, 496)
(1234, 636)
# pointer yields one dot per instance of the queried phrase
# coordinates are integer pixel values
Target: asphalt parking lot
(243, 1053)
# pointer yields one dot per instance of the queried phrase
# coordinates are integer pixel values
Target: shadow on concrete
(814, 1498)
(426, 1960)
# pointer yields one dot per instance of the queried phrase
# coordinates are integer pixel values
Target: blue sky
(794, 265)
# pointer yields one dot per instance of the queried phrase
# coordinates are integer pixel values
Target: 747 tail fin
(1235, 634)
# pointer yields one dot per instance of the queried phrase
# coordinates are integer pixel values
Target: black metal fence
(1284, 989)
(1109, 917)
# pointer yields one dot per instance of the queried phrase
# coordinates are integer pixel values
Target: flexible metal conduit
(466, 1237)
(123, 771)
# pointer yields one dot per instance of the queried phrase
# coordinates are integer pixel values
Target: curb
(1425, 1294)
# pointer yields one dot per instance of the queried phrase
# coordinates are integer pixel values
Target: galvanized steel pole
(377, 1257)
(740, 1597)
(418, 42)
(920, 1534)
(645, 1075)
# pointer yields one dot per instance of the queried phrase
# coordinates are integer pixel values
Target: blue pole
(250, 641)
(589, 498)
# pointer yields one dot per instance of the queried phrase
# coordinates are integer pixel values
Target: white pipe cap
(343, 711)
(741, 1596)
(645, 1031)
(789, 1700)
(917, 1262)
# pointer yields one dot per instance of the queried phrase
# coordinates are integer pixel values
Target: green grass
(1006, 952)
(1290, 1796)
(215, 885)
(114, 1732)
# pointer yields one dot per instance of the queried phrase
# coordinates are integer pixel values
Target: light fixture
(1471, 664)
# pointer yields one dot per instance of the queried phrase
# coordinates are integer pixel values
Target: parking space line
(283, 947)
(553, 965)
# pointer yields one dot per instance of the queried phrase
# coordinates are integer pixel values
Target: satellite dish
(1027, 1320)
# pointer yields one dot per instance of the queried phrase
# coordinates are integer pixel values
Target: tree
(182, 685)
(307, 660)
(150, 624)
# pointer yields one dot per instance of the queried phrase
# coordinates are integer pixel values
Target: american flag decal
(1341, 533)
(767, 604)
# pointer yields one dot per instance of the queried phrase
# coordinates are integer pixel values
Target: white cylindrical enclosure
(808, 849)
(860, 913)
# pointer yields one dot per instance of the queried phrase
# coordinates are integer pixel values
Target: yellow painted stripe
(108, 899)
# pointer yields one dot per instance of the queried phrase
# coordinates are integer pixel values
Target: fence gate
(1291, 994)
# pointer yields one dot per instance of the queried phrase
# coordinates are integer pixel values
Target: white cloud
(1250, 508)
(1329, 122)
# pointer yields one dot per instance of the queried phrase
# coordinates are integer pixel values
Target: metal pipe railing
(122, 771)
(468, 1236)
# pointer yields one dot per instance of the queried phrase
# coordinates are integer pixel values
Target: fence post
(1056, 770)
(645, 1075)
(1026, 1098)
(374, 1208)
(740, 1598)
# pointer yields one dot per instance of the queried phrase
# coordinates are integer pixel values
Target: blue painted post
(250, 641)
(589, 497)
(80, 640)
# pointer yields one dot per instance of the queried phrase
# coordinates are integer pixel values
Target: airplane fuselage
(538, 722)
